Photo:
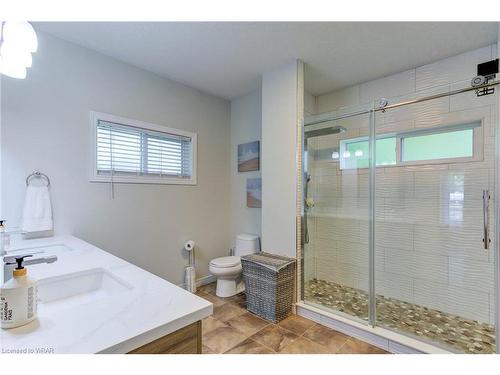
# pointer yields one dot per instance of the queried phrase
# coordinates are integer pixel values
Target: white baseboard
(201, 281)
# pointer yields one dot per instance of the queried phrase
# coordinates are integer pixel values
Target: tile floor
(464, 335)
(233, 330)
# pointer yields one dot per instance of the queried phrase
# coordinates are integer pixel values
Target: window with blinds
(131, 151)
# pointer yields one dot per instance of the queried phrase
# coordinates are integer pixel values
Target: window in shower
(446, 145)
(451, 143)
(354, 153)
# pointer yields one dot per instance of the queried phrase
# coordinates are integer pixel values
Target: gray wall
(246, 119)
(45, 126)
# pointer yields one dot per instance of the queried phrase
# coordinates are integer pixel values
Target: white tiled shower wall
(428, 248)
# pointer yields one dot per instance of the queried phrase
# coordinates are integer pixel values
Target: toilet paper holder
(189, 247)
(190, 271)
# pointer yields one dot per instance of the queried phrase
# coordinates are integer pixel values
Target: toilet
(228, 269)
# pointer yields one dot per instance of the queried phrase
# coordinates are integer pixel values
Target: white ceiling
(227, 59)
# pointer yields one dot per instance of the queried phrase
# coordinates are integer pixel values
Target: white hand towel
(37, 214)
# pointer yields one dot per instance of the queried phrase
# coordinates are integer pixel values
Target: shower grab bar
(486, 219)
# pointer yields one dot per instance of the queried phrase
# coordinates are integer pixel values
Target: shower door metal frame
(372, 302)
(372, 180)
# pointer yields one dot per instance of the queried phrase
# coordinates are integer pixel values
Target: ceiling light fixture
(18, 41)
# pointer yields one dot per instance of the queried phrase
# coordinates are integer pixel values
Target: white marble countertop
(152, 308)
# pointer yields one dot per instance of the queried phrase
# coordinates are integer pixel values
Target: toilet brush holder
(190, 279)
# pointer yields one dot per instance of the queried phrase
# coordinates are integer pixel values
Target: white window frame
(95, 117)
(477, 141)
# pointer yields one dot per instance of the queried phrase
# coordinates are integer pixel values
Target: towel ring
(37, 174)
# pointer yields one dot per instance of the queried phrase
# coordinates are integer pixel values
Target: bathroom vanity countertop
(150, 308)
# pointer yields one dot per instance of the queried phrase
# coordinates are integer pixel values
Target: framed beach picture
(254, 192)
(249, 157)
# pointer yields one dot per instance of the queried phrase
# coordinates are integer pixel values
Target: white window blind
(128, 151)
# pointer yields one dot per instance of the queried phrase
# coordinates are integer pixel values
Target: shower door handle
(486, 219)
(304, 229)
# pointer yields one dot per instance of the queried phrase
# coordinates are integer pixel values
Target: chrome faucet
(5, 237)
(10, 261)
(2, 238)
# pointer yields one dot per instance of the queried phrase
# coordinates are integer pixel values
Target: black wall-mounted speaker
(487, 68)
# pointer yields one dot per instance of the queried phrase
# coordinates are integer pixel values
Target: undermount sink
(79, 288)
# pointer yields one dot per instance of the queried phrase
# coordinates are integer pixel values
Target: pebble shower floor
(464, 335)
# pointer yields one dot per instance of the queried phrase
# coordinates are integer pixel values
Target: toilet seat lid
(225, 262)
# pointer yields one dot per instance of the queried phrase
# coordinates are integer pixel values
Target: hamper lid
(271, 261)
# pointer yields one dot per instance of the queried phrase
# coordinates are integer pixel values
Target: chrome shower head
(324, 131)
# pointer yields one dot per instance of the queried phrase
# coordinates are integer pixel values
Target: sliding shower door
(336, 214)
(399, 215)
(435, 227)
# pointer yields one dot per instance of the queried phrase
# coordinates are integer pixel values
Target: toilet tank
(246, 244)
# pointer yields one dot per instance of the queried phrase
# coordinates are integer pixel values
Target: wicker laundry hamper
(269, 285)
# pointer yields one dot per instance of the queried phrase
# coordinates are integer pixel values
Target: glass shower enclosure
(398, 215)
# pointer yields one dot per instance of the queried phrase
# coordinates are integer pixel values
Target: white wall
(280, 103)
(45, 126)
(246, 119)
(309, 104)
(422, 256)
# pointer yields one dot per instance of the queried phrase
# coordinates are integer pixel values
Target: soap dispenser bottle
(18, 298)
